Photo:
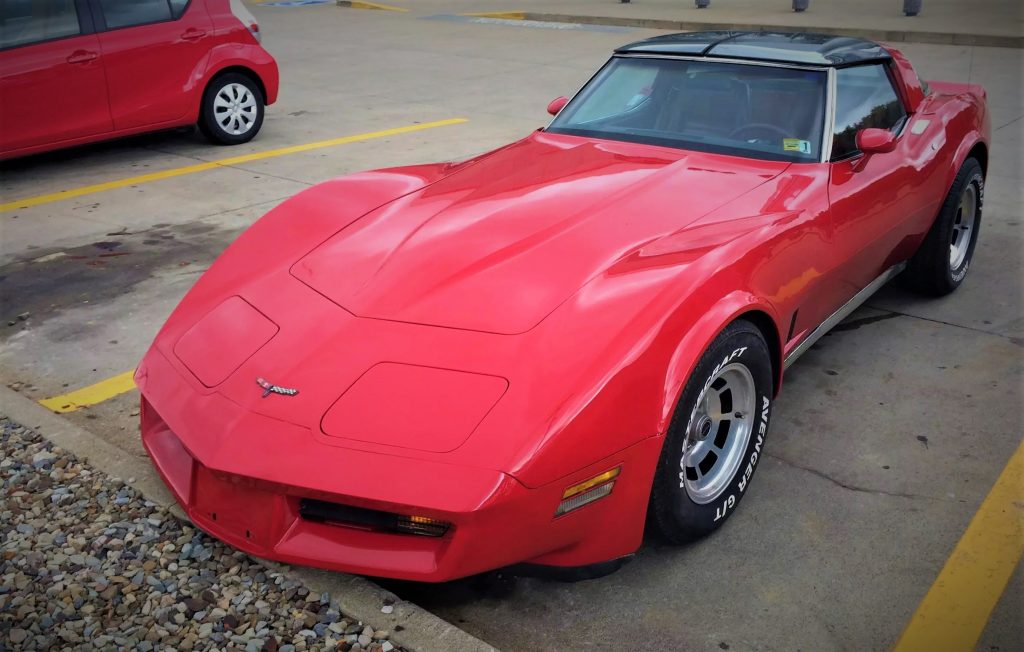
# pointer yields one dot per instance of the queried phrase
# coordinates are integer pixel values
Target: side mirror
(557, 104)
(875, 141)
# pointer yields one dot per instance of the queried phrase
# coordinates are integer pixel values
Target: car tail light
(243, 14)
(370, 519)
(587, 491)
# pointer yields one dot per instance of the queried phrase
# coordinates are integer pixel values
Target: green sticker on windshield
(796, 145)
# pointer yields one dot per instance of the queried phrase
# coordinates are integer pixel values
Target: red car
(79, 71)
(431, 371)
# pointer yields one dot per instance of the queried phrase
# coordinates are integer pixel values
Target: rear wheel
(232, 111)
(716, 436)
(941, 263)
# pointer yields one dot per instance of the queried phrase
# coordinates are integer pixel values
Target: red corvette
(432, 371)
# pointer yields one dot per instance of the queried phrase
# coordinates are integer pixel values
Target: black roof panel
(797, 47)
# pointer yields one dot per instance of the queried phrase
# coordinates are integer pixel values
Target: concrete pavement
(979, 22)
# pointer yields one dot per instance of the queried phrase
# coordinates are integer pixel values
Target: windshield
(764, 112)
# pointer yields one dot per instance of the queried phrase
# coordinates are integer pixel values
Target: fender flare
(962, 151)
(251, 58)
(692, 345)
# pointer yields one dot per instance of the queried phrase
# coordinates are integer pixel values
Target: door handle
(192, 34)
(82, 56)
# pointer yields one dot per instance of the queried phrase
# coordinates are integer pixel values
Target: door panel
(870, 206)
(47, 69)
(875, 198)
(152, 68)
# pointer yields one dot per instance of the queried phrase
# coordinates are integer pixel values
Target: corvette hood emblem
(270, 388)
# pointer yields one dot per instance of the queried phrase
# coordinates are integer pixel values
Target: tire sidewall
(746, 347)
(972, 174)
(211, 128)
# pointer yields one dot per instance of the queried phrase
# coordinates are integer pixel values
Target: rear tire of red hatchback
(232, 109)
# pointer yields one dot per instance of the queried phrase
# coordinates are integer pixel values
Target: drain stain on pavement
(51, 281)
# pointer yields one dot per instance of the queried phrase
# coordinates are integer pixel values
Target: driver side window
(865, 98)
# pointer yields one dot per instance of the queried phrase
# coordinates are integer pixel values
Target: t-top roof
(797, 48)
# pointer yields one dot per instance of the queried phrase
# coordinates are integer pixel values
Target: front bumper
(241, 476)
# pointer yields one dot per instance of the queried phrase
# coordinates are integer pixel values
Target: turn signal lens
(421, 525)
(587, 491)
(322, 511)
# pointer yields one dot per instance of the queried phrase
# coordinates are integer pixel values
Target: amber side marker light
(587, 491)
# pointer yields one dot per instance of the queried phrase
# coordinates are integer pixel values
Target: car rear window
(178, 7)
(758, 111)
(30, 21)
(126, 13)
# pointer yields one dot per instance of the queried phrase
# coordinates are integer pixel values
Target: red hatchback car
(79, 71)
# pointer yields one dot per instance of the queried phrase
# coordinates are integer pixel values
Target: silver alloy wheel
(718, 433)
(234, 109)
(963, 226)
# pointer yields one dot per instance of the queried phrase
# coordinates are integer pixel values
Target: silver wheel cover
(718, 433)
(963, 226)
(234, 109)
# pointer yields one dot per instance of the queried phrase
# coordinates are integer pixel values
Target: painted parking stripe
(295, 3)
(91, 395)
(957, 607)
(517, 19)
(212, 165)
(357, 4)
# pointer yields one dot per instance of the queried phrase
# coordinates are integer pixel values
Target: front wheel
(716, 436)
(232, 111)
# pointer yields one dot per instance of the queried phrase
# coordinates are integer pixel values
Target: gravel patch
(86, 563)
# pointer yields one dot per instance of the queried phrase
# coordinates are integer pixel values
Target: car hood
(500, 244)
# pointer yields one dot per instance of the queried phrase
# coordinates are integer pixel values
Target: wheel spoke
(727, 416)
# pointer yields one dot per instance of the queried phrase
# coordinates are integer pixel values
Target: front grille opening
(321, 511)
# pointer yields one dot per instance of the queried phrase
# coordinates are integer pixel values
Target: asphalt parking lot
(886, 439)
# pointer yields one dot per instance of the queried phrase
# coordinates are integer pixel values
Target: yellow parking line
(956, 608)
(504, 15)
(210, 165)
(93, 394)
(358, 4)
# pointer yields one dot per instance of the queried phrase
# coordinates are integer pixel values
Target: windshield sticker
(796, 145)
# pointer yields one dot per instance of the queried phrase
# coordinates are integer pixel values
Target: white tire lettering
(762, 429)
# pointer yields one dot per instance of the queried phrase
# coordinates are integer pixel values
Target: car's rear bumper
(271, 77)
(241, 476)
